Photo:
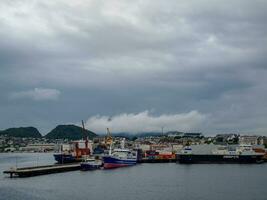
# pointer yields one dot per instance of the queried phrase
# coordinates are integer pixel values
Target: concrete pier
(41, 170)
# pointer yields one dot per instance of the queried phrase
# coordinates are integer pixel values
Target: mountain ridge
(27, 132)
(69, 131)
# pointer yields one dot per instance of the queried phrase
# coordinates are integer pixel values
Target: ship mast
(109, 140)
(85, 137)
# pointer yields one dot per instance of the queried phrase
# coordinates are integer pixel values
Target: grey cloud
(116, 57)
(37, 94)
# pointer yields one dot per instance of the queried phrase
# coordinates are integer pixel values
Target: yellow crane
(108, 138)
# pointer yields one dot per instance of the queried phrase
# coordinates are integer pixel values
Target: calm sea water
(144, 181)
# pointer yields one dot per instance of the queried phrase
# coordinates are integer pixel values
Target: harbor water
(158, 181)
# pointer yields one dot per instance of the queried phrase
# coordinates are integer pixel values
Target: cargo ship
(219, 154)
(119, 157)
(75, 151)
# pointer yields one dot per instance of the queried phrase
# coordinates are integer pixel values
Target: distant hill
(132, 135)
(71, 132)
(148, 134)
(174, 132)
(24, 132)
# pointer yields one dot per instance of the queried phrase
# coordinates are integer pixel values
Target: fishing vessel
(120, 157)
(219, 154)
(90, 164)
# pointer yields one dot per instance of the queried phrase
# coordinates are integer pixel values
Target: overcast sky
(134, 65)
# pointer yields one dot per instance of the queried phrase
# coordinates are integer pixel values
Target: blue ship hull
(113, 162)
(88, 166)
(64, 158)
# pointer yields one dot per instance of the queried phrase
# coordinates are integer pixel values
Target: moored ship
(90, 164)
(75, 152)
(219, 154)
(119, 158)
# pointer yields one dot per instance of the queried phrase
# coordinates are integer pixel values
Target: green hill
(71, 132)
(25, 132)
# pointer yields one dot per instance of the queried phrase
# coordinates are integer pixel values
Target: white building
(38, 147)
(250, 140)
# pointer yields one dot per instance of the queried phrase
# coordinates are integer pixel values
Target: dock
(41, 170)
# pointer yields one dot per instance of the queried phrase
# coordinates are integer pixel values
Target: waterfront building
(251, 140)
(38, 147)
(229, 138)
